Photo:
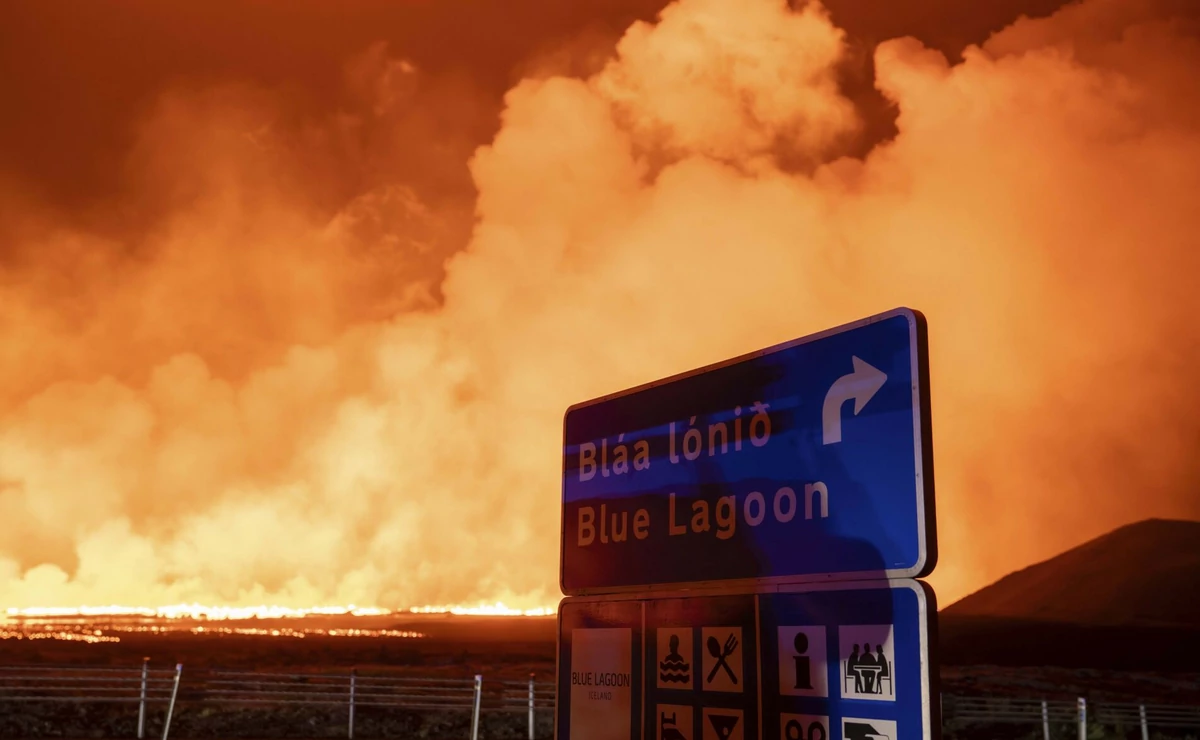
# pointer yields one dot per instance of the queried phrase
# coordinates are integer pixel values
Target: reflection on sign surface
(806, 460)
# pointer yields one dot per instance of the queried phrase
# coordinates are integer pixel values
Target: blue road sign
(807, 461)
(830, 661)
(852, 658)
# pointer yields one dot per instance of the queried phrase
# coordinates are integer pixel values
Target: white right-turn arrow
(861, 385)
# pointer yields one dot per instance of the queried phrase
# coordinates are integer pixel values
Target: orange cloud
(279, 404)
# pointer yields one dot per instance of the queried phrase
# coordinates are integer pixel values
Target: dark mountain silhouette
(1127, 600)
(1146, 573)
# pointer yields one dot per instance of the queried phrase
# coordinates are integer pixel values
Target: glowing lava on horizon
(96, 624)
(485, 610)
(221, 613)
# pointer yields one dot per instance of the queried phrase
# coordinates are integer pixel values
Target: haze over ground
(288, 315)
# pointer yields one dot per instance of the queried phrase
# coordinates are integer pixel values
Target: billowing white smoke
(1037, 205)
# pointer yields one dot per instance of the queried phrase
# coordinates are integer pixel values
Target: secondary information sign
(831, 661)
(810, 460)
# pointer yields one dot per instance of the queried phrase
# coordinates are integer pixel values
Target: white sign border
(923, 460)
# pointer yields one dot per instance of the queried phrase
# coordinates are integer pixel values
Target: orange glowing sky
(293, 296)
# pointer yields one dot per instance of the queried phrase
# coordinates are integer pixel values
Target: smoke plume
(304, 379)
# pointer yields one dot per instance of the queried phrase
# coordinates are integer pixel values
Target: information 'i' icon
(802, 664)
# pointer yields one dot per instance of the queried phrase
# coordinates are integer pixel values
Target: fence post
(171, 705)
(1045, 721)
(475, 713)
(142, 701)
(1145, 725)
(353, 677)
(531, 720)
(1082, 718)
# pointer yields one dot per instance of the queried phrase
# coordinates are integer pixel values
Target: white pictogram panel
(868, 663)
(722, 659)
(675, 722)
(803, 727)
(803, 669)
(675, 660)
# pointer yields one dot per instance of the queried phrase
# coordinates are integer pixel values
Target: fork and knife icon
(722, 654)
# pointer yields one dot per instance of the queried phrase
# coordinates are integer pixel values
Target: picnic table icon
(868, 672)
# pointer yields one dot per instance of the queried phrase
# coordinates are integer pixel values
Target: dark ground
(979, 656)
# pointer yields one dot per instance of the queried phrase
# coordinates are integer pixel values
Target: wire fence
(349, 691)
(353, 690)
(1051, 714)
(77, 684)
(530, 697)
